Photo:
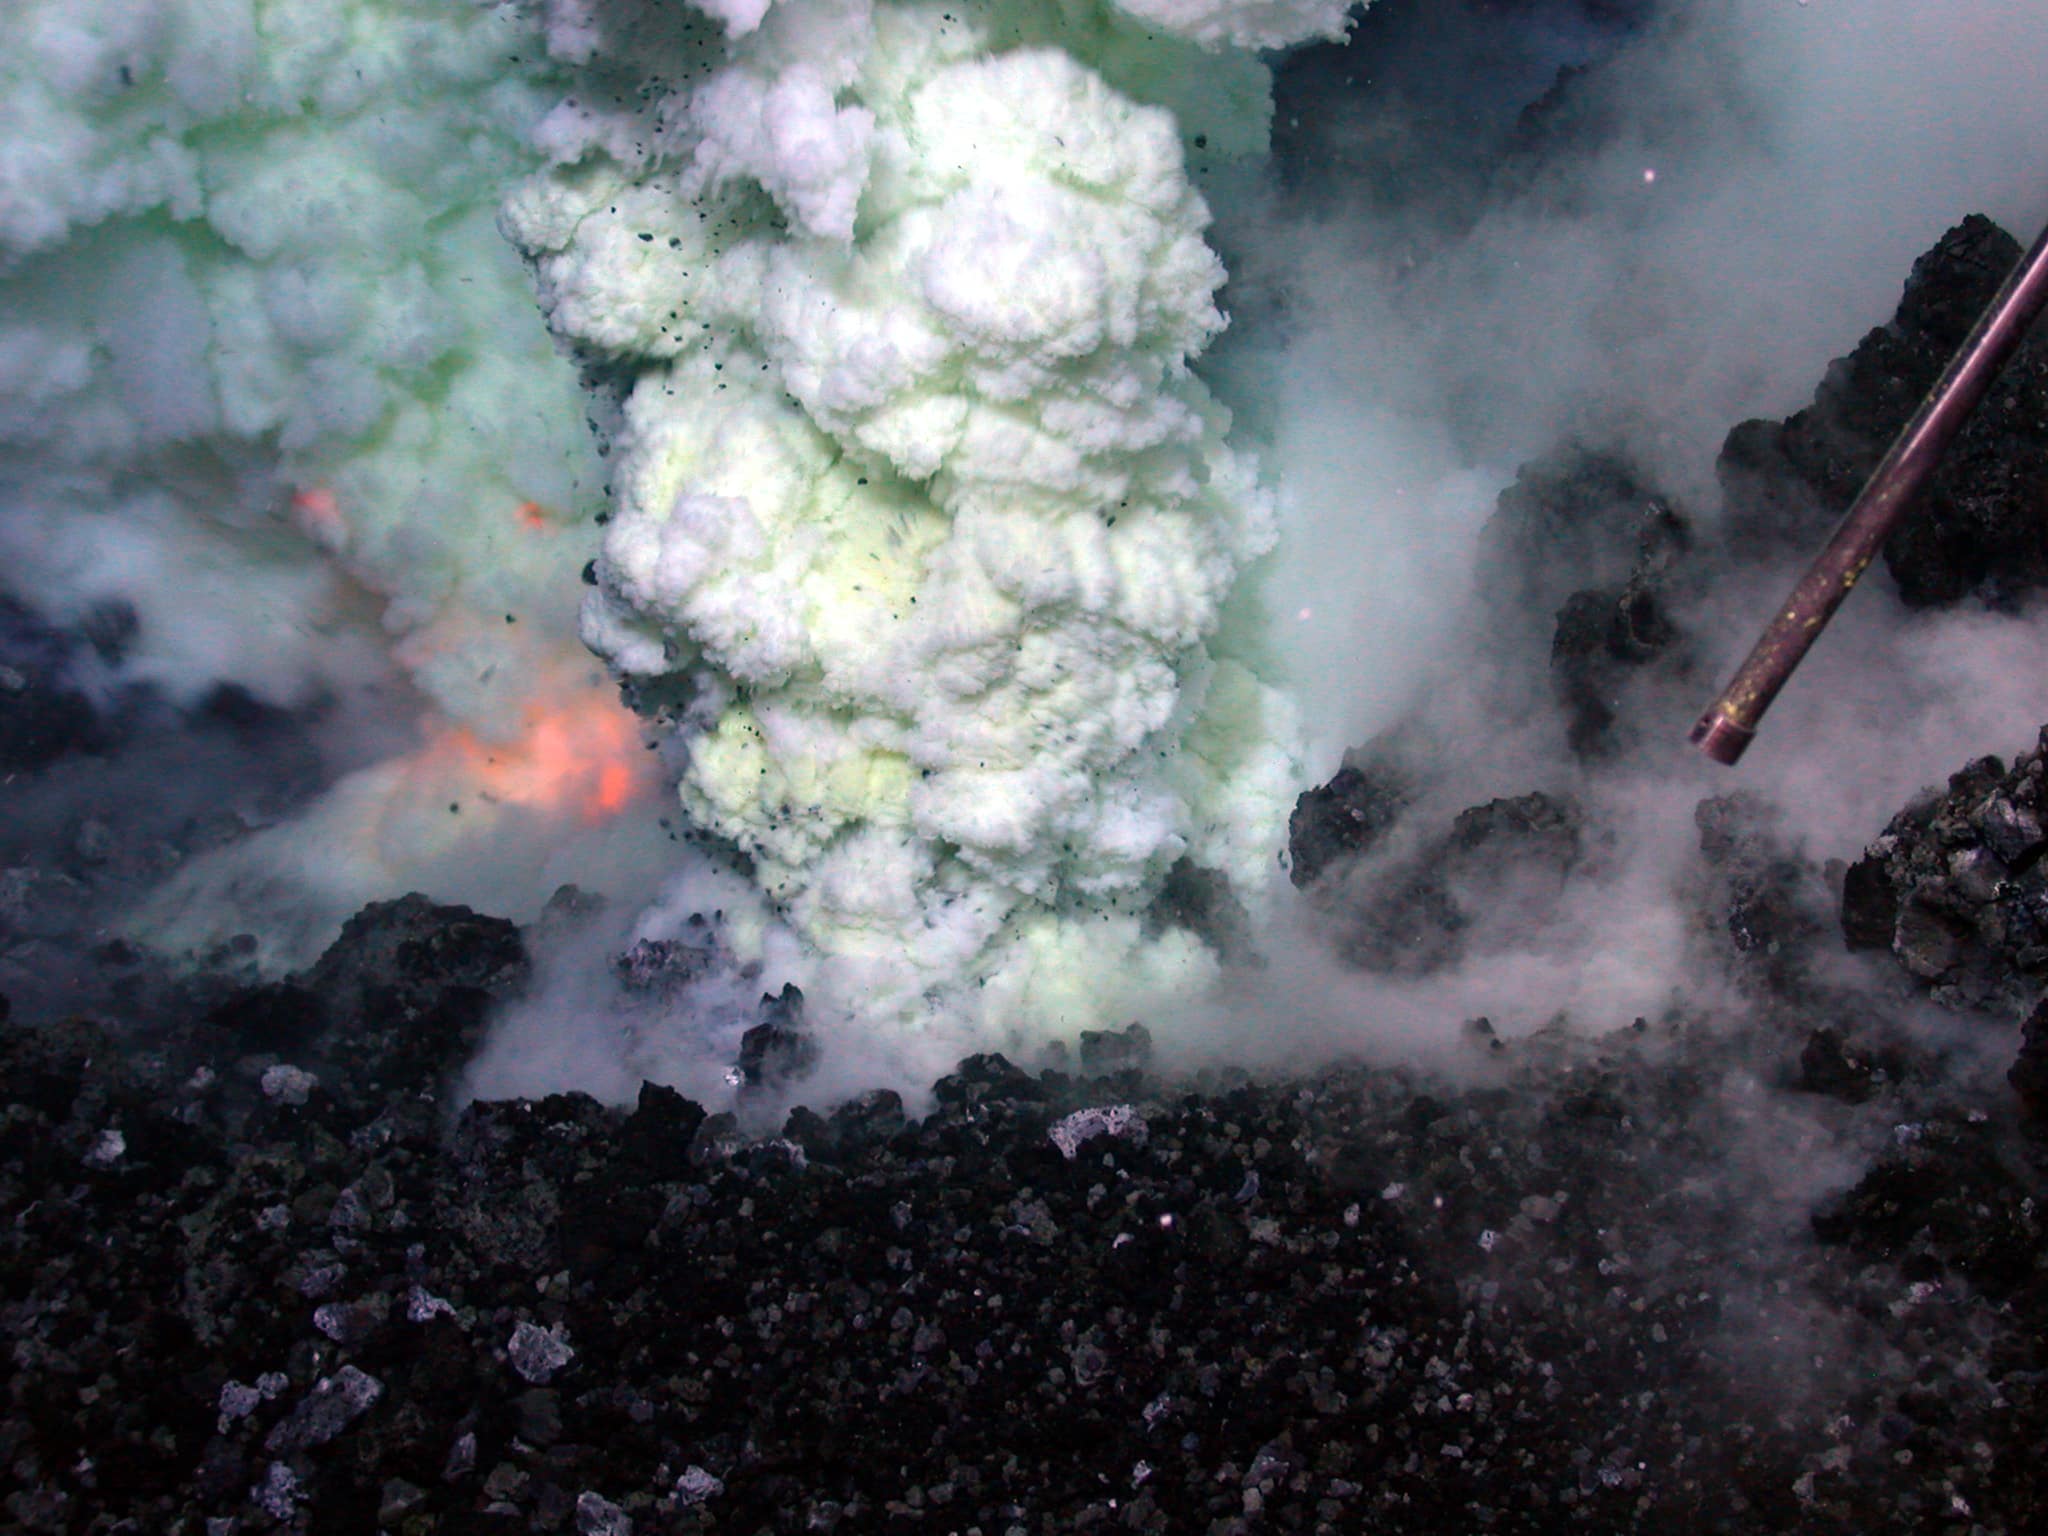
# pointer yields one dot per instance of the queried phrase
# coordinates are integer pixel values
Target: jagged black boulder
(1982, 524)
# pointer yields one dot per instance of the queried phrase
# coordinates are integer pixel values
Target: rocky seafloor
(256, 1278)
(1770, 1264)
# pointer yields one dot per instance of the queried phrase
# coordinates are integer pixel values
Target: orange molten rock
(581, 757)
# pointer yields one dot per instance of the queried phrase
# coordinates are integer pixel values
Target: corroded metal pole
(1730, 722)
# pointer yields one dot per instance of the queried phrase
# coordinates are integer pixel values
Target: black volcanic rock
(1604, 635)
(1335, 822)
(1493, 871)
(1982, 525)
(1574, 520)
(2029, 1075)
(1203, 902)
(778, 1050)
(396, 953)
(43, 715)
(1579, 571)
(408, 985)
(1768, 903)
(276, 1017)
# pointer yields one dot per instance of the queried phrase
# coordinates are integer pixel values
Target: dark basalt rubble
(1574, 1293)
(1956, 890)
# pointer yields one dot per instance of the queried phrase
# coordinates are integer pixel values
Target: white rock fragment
(237, 1401)
(1543, 1208)
(537, 1352)
(350, 1323)
(278, 1494)
(1084, 1125)
(320, 1280)
(335, 1402)
(697, 1485)
(285, 1084)
(349, 1213)
(422, 1306)
(107, 1149)
(599, 1516)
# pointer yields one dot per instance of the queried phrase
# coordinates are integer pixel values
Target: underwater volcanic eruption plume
(897, 491)
(729, 727)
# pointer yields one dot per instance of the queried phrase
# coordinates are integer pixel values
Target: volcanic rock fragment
(1767, 901)
(335, 1402)
(1982, 525)
(1339, 820)
(1466, 890)
(777, 1051)
(1577, 572)
(1107, 1051)
(1955, 887)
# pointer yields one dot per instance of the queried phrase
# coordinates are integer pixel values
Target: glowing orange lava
(318, 514)
(535, 516)
(582, 757)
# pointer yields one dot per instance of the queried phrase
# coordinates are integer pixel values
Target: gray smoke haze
(1803, 156)
(1430, 290)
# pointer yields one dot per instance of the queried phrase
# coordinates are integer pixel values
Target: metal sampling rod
(1730, 723)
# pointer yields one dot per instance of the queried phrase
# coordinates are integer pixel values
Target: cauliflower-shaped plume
(916, 499)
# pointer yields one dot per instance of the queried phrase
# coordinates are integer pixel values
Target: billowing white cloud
(915, 487)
